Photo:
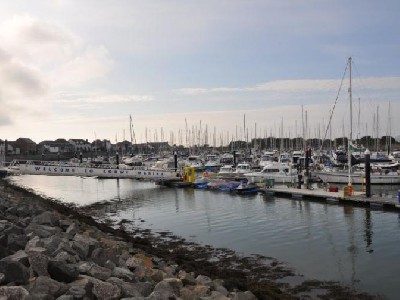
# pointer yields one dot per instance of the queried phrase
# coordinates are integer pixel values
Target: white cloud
(96, 98)
(39, 42)
(94, 63)
(293, 86)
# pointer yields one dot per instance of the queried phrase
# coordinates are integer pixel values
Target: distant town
(62, 148)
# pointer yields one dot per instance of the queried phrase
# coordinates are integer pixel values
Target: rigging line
(364, 87)
(334, 106)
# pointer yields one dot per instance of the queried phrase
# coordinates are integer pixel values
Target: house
(26, 145)
(57, 146)
(12, 148)
(101, 145)
(80, 145)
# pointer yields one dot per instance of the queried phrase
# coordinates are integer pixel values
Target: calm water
(357, 246)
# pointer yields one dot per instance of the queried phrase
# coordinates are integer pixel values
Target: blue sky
(78, 69)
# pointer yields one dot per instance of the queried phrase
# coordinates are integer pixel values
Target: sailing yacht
(353, 175)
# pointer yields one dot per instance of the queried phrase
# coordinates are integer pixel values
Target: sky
(80, 69)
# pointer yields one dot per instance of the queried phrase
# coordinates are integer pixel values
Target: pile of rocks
(47, 255)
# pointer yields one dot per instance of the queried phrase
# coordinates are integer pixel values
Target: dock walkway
(358, 198)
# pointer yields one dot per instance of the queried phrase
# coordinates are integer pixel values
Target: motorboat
(280, 173)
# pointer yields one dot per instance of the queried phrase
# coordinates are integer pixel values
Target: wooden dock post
(367, 173)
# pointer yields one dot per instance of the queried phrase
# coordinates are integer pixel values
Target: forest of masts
(201, 136)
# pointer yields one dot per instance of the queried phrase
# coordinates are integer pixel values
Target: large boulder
(13, 292)
(106, 291)
(123, 274)
(14, 272)
(47, 218)
(46, 286)
(62, 271)
(16, 242)
(34, 243)
(43, 231)
(102, 255)
(84, 245)
(99, 272)
(19, 256)
(38, 262)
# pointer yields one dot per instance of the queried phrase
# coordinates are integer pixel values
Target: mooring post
(5, 149)
(117, 158)
(367, 173)
(80, 157)
(234, 158)
(175, 161)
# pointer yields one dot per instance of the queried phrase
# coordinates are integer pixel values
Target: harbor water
(354, 245)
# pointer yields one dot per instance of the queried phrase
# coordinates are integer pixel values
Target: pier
(358, 198)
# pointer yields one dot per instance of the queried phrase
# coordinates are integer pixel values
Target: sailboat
(357, 177)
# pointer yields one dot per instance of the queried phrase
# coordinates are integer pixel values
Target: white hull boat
(111, 171)
(357, 178)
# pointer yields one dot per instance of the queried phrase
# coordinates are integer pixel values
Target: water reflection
(320, 240)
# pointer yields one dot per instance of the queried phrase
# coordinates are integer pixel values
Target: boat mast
(351, 125)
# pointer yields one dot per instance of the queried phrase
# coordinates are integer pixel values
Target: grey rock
(13, 229)
(66, 297)
(105, 290)
(47, 286)
(99, 272)
(144, 288)
(130, 290)
(19, 256)
(16, 242)
(101, 255)
(162, 289)
(84, 245)
(195, 291)
(84, 267)
(78, 292)
(14, 272)
(43, 231)
(215, 296)
(23, 211)
(82, 283)
(3, 240)
(133, 263)
(110, 265)
(13, 292)
(175, 283)
(51, 243)
(72, 229)
(161, 295)
(33, 243)
(47, 218)
(157, 275)
(66, 257)
(244, 296)
(65, 247)
(187, 278)
(62, 271)
(64, 223)
(218, 286)
(204, 280)
(4, 252)
(123, 273)
(38, 262)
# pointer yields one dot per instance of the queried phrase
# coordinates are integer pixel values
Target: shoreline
(256, 275)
